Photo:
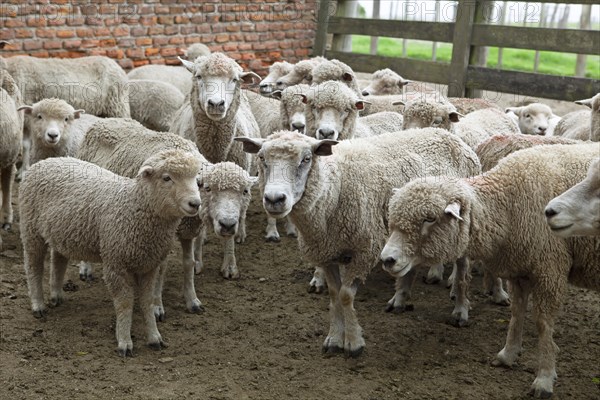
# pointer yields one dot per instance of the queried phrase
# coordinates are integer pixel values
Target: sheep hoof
(292, 234)
(399, 309)
(197, 309)
(6, 226)
(502, 302)
(329, 351)
(86, 277)
(354, 353)
(156, 346)
(317, 289)
(452, 296)
(197, 267)
(39, 314)
(540, 393)
(273, 239)
(160, 316)
(432, 281)
(458, 322)
(56, 301)
(125, 352)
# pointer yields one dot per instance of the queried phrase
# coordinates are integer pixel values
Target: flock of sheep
(387, 171)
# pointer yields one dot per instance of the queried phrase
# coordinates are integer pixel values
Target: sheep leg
(146, 284)
(334, 342)
(435, 274)
(229, 268)
(34, 254)
(240, 236)
(159, 309)
(198, 243)
(450, 282)
(514, 338)
(317, 283)
(547, 299)
(192, 302)
(86, 271)
(120, 287)
(290, 228)
(6, 179)
(272, 234)
(493, 286)
(354, 343)
(403, 285)
(460, 314)
(57, 277)
(25, 158)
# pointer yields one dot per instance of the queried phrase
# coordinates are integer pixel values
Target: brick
(171, 30)
(138, 31)
(32, 45)
(84, 32)
(135, 53)
(39, 54)
(126, 42)
(146, 41)
(52, 44)
(16, 23)
(156, 30)
(101, 32)
(108, 43)
(115, 53)
(222, 38)
(160, 41)
(65, 33)
(90, 43)
(151, 51)
(177, 40)
(72, 44)
(75, 20)
(168, 52)
(125, 63)
(139, 63)
(97, 52)
(158, 61)
(23, 33)
(121, 31)
(230, 47)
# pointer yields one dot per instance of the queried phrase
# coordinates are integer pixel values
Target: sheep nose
(279, 83)
(52, 135)
(214, 104)
(227, 225)
(299, 126)
(195, 204)
(550, 212)
(365, 93)
(542, 130)
(326, 133)
(389, 262)
(275, 198)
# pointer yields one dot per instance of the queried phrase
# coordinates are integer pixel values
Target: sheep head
(385, 82)
(50, 119)
(424, 114)
(534, 119)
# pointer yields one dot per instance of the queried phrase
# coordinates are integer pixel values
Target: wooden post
(586, 14)
(461, 47)
(404, 18)
(322, 21)
(502, 21)
(436, 19)
(479, 54)
(375, 39)
(345, 8)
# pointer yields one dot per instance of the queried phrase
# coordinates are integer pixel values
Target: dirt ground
(260, 338)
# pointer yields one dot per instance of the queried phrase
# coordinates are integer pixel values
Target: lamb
(196, 50)
(582, 124)
(122, 146)
(11, 135)
(473, 128)
(302, 72)
(336, 197)
(494, 149)
(535, 119)
(127, 224)
(332, 113)
(174, 75)
(498, 218)
(56, 128)
(154, 103)
(276, 71)
(575, 212)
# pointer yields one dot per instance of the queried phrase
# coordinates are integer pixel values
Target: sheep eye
(306, 159)
(261, 158)
(235, 80)
(66, 119)
(166, 178)
(207, 188)
(198, 77)
(528, 116)
(39, 116)
(246, 191)
(429, 220)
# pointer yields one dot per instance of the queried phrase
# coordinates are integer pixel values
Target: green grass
(515, 59)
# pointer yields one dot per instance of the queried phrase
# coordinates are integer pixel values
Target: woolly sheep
(11, 134)
(196, 50)
(498, 218)
(122, 146)
(384, 82)
(127, 224)
(491, 151)
(300, 73)
(154, 103)
(292, 107)
(265, 111)
(332, 113)
(582, 124)
(174, 75)
(56, 128)
(276, 71)
(576, 211)
(336, 197)
(535, 119)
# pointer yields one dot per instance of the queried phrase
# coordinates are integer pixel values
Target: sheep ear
(253, 180)
(3, 43)
(586, 102)
(277, 94)
(248, 77)
(403, 82)
(27, 109)
(188, 65)
(324, 147)
(78, 113)
(347, 77)
(453, 209)
(515, 110)
(251, 145)
(398, 103)
(146, 171)
(304, 98)
(455, 116)
(360, 104)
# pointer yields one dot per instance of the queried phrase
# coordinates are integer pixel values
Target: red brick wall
(138, 32)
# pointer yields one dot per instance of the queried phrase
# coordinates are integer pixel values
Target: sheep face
(286, 160)
(276, 71)
(428, 224)
(293, 108)
(385, 82)
(225, 192)
(300, 73)
(49, 119)
(534, 119)
(426, 114)
(576, 212)
(172, 179)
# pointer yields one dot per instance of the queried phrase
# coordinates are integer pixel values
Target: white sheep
(535, 119)
(292, 107)
(11, 135)
(576, 211)
(276, 71)
(332, 113)
(337, 195)
(122, 146)
(154, 103)
(385, 82)
(56, 128)
(83, 211)
(265, 111)
(174, 75)
(582, 124)
(300, 73)
(498, 218)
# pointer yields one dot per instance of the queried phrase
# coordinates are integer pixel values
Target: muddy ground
(260, 338)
